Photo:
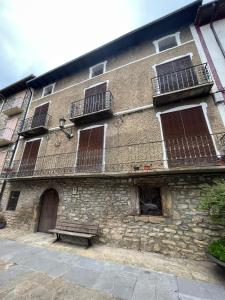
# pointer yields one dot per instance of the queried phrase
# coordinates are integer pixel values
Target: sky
(39, 35)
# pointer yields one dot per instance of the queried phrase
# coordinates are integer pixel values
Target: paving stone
(116, 285)
(82, 276)
(189, 289)
(14, 271)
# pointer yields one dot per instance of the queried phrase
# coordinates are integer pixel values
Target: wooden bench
(70, 228)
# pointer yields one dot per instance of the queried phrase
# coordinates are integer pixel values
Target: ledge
(150, 219)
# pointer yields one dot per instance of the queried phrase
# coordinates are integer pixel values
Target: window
(47, 90)
(97, 69)
(150, 201)
(167, 42)
(13, 199)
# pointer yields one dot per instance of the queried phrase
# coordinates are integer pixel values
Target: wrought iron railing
(6, 134)
(182, 79)
(40, 120)
(91, 104)
(180, 152)
(13, 102)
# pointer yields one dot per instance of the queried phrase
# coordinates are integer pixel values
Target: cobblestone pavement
(32, 272)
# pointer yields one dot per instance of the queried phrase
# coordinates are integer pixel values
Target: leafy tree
(212, 200)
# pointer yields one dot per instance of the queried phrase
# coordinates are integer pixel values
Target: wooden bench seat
(71, 228)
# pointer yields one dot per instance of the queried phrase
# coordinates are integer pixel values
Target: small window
(47, 90)
(13, 199)
(97, 70)
(167, 42)
(150, 201)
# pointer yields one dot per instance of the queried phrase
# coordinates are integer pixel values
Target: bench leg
(57, 238)
(89, 243)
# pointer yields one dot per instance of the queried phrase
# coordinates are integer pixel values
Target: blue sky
(38, 35)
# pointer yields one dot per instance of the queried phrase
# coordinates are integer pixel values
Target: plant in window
(213, 201)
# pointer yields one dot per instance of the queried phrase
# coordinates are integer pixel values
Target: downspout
(17, 141)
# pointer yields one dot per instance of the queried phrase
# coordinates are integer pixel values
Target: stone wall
(183, 231)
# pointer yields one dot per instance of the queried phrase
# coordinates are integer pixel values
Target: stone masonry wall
(184, 231)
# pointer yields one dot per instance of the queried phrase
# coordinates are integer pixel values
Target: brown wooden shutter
(95, 98)
(177, 74)
(90, 151)
(29, 157)
(40, 115)
(187, 137)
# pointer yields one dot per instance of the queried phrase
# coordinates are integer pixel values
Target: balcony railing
(185, 83)
(94, 107)
(38, 124)
(180, 153)
(6, 135)
(13, 106)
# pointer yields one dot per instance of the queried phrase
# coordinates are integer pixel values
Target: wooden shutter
(187, 137)
(40, 115)
(29, 157)
(90, 151)
(177, 74)
(95, 98)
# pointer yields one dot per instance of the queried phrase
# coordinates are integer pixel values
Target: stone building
(14, 101)
(123, 137)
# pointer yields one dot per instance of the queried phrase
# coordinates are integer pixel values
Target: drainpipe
(17, 141)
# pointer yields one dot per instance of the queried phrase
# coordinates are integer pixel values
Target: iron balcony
(179, 154)
(91, 109)
(36, 125)
(186, 83)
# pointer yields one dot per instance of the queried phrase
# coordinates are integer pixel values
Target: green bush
(217, 249)
(212, 200)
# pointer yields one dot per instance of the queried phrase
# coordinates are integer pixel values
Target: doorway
(48, 210)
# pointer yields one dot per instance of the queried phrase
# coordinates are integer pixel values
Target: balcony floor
(92, 117)
(174, 96)
(12, 111)
(4, 142)
(134, 174)
(34, 131)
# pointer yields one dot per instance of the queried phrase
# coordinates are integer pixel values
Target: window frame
(45, 87)
(98, 64)
(177, 38)
(11, 201)
(141, 186)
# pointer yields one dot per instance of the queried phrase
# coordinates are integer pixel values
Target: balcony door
(95, 98)
(29, 158)
(176, 74)
(90, 150)
(187, 138)
(40, 115)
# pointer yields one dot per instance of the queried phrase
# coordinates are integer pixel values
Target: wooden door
(29, 158)
(177, 74)
(90, 151)
(95, 98)
(187, 138)
(48, 211)
(10, 127)
(40, 115)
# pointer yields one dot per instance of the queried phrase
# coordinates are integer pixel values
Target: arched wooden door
(48, 210)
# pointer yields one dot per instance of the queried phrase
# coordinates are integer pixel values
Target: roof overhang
(16, 87)
(184, 16)
(210, 12)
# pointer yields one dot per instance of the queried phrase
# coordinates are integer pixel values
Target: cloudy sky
(38, 35)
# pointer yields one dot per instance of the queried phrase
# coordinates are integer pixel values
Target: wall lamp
(68, 131)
